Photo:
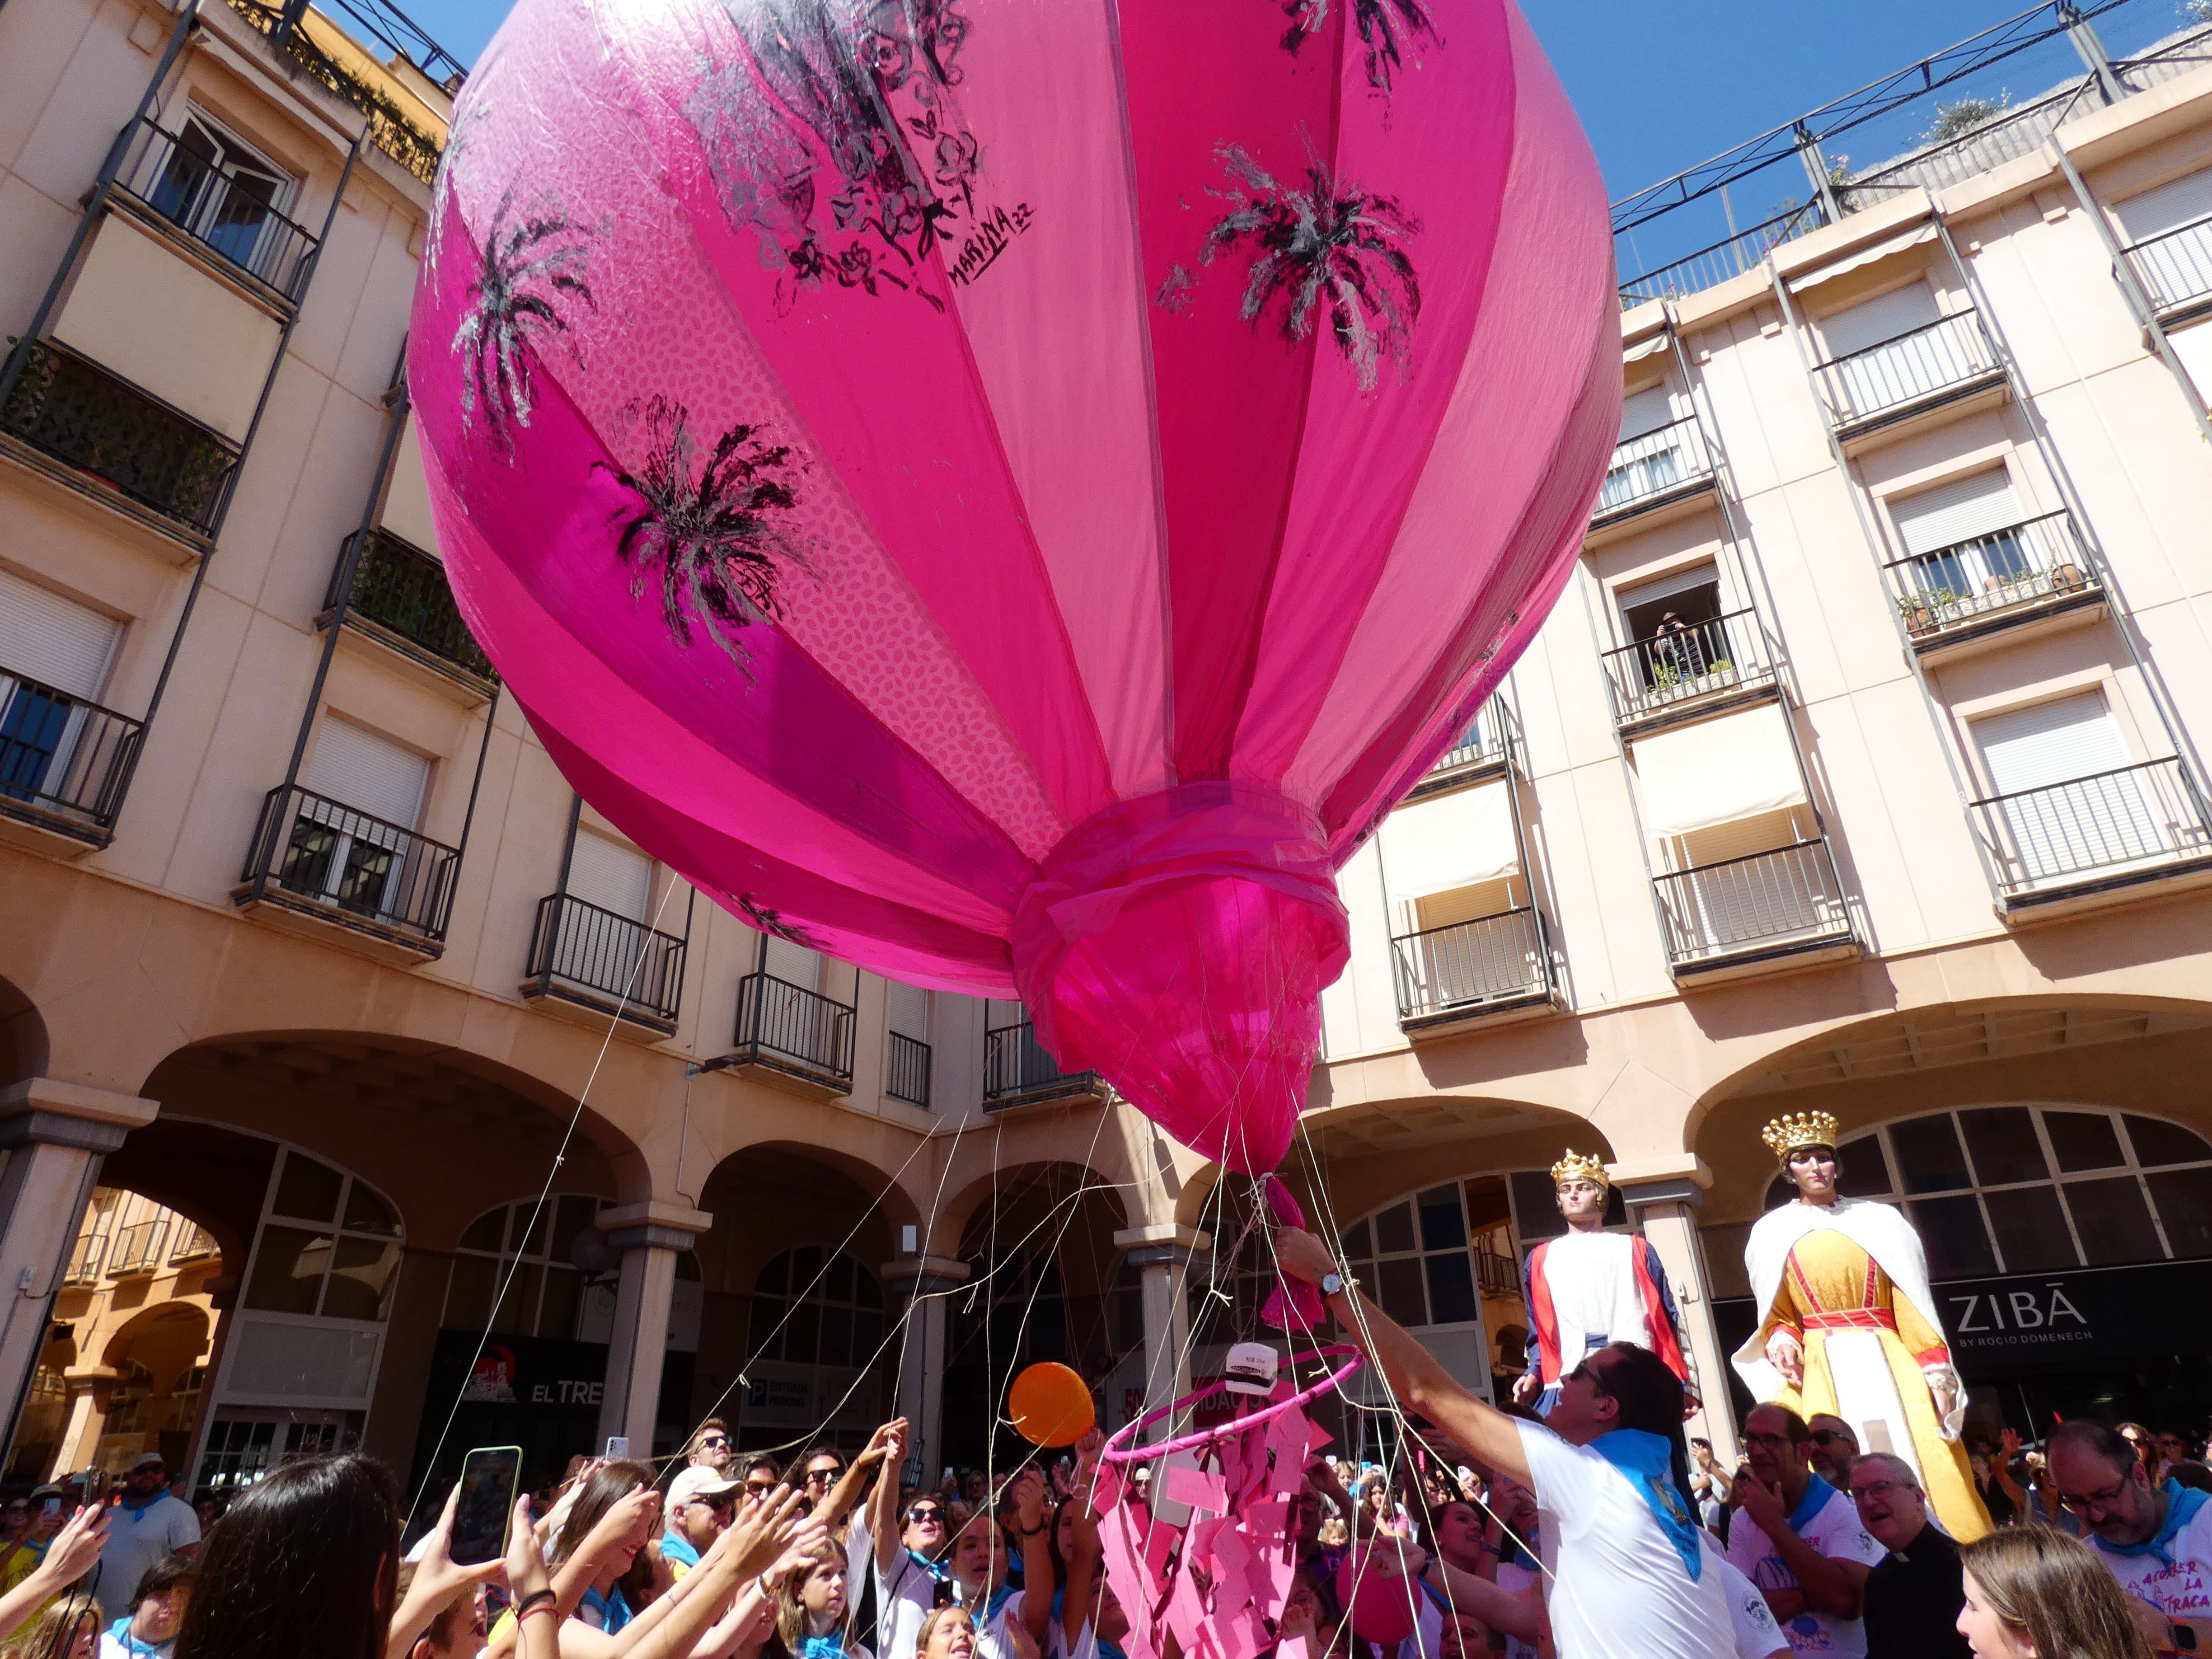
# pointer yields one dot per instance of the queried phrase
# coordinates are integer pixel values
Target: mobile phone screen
(487, 1505)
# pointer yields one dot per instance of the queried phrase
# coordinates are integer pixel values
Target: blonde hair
(54, 1634)
(791, 1614)
(2053, 1586)
(929, 1627)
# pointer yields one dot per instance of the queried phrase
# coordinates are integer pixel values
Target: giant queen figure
(1849, 1325)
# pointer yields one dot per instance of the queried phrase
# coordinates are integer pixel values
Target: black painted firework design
(1382, 26)
(530, 263)
(716, 538)
(772, 921)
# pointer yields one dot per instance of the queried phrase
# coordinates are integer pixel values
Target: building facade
(1856, 771)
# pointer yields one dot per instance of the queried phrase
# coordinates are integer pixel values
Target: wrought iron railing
(1498, 958)
(1017, 1066)
(232, 218)
(87, 1258)
(391, 128)
(323, 851)
(1652, 464)
(157, 455)
(2175, 268)
(780, 1022)
(907, 1069)
(2006, 135)
(581, 947)
(400, 588)
(194, 1242)
(2038, 559)
(138, 1248)
(1682, 664)
(1496, 1272)
(2138, 814)
(63, 758)
(1897, 373)
(1709, 267)
(1756, 902)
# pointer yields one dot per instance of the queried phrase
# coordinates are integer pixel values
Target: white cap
(698, 1482)
(1250, 1369)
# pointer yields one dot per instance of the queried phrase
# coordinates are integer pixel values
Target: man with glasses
(701, 1501)
(2156, 1539)
(1835, 1448)
(761, 1476)
(710, 1445)
(1798, 1539)
(1914, 1594)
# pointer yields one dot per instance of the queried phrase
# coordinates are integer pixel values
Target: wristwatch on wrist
(1332, 1283)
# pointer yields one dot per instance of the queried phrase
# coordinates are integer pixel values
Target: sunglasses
(818, 1477)
(760, 1486)
(715, 1440)
(925, 1512)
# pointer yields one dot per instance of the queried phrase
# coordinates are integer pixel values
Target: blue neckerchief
(999, 1597)
(823, 1647)
(936, 1569)
(613, 1610)
(1510, 1552)
(1817, 1494)
(1647, 1460)
(1108, 1650)
(675, 1547)
(1443, 1601)
(2181, 1503)
(120, 1632)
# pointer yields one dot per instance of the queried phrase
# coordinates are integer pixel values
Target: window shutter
(909, 1006)
(1472, 904)
(2170, 206)
(1665, 588)
(54, 640)
(1859, 326)
(794, 964)
(1761, 833)
(357, 768)
(1958, 510)
(2049, 743)
(616, 877)
(1646, 411)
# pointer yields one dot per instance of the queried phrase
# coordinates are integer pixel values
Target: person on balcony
(1849, 1327)
(1590, 1287)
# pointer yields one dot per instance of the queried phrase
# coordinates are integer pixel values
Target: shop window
(329, 1245)
(520, 1252)
(2015, 1189)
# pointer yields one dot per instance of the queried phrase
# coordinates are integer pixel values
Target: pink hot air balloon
(1009, 491)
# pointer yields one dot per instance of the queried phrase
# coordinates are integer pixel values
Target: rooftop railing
(324, 856)
(64, 762)
(1654, 464)
(404, 591)
(231, 216)
(1750, 905)
(73, 410)
(1682, 665)
(1918, 365)
(2175, 268)
(787, 1026)
(580, 947)
(907, 1069)
(2144, 814)
(391, 128)
(2012, 570)
(1709, 267)
(1469, 964)
(1017, 1068)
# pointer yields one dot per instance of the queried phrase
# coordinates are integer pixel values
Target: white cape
(1881, 1231)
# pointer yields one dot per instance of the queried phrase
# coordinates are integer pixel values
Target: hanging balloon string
(537, 1211)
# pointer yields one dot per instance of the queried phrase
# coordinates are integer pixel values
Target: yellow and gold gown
(1832, 1291)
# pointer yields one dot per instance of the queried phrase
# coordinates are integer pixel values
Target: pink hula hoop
(1116, 1453)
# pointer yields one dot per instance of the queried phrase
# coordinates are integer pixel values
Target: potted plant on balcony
(1921, 609)
(2068, 578)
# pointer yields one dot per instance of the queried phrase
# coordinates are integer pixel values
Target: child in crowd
(149, 1630)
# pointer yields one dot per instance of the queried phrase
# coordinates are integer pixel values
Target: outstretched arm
(882, 1507)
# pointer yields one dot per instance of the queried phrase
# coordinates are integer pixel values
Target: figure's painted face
(1813, 1170)
(1581, 1197)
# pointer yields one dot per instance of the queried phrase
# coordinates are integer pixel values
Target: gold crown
(1786, 1136)
(1574, 1167)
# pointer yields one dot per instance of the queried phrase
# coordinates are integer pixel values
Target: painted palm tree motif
(1381, 23)
(1330, 250)
(529, 263)
(468, 115)
(772, 922)
(717, 536)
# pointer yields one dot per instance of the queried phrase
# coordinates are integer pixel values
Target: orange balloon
(1049, 1405)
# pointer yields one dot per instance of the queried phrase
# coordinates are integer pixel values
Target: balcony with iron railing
(97, 425)
(795, 1038)
(141, 1248)
(227, 217)
(1484, 750)
(400, 597)
(1741, 912)
(2107, 831)
(2025, 573)
(907, 1069)
(1017, 1072)
(87, 1258)
(1691, 670)
(193, 1243)
(2175, 270)
(605, 963)
(1655, 469)
(321, 863)
(1922, 369)
(64, 762)
(1470, 970)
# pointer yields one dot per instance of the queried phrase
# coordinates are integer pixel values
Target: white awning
(1864, 256)
(1644, 348)
(1449, 842)
(1716, 772)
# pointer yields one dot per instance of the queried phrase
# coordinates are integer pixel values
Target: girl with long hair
(810, 1609)
(2034, 1593)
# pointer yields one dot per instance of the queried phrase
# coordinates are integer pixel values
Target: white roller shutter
(1976, 504)
(1665, 588)
(357, 768)
(1881, 318)
(908, 1006)
(2050, 743)
(1762, 833)
(2169, 206)
(794, 964)
(54, 640)
(616, 877)
(1646, 411)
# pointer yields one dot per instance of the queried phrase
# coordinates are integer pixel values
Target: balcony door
(220, 190)
(1736, 897)
(1963, 539)
(603, 935)
(54, 658)
(350, 845)
(2067, 803)
(1679, 642)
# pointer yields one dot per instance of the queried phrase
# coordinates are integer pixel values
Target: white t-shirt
(138, 1538)
(1829, 1522)
(1516, 1577)
(1615, 1584)
(2183, 1590)
(1757, 1635)
(904, 1596)
(991, 1638)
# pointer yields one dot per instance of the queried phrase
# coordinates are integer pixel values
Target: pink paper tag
(1198, 1489)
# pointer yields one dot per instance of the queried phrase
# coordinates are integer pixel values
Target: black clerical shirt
(1912, 1601)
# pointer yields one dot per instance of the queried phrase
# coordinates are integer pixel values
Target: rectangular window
(614, 876)
(356, 768)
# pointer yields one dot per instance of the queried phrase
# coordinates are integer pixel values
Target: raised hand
(1787, 1355)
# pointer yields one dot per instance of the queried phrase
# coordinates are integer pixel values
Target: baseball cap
(697, 1482)
(148, 1461)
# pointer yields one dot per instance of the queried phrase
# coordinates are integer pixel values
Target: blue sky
(1661, 86)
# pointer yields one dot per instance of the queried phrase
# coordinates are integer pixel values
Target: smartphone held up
(486, 1508)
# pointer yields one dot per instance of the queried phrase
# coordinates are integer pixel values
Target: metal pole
(1816, 169)
(2091, 50)
(1628, 773)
